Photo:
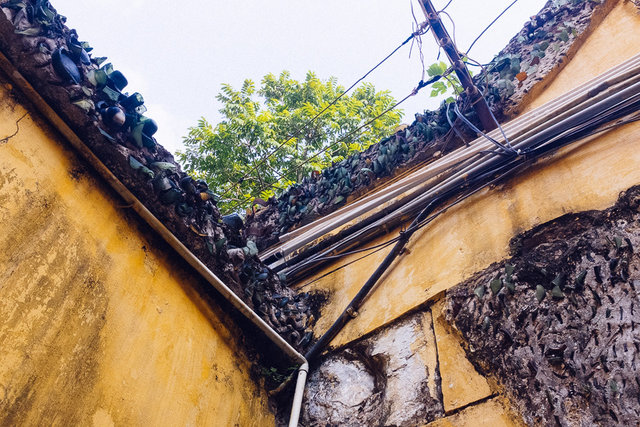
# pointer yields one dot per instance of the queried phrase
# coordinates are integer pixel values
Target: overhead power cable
(446, 6)
(489, 26)
(420, 85)
(419, 31)
(622, 108)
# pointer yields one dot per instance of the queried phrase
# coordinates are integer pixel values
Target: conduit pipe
(45, 109)
(477, 175)
(581, 105)
(476, 168)
(302, 240)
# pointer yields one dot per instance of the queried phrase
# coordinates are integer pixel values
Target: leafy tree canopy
(255, 122)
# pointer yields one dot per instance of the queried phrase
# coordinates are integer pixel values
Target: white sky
(178, 53)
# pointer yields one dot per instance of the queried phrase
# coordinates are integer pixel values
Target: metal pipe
(592, 100)
(549, 140)
(301, 247)
(352, 309)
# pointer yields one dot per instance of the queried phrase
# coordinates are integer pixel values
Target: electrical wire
(624, 111)
(420, 85)
(421, 29)
(417, 227)
(453, 24)
(506, 169)
(341, 267)
(489, 26)
(454, 128)
(332, 103)
(418, 39)
(506, 149)
(446, 6)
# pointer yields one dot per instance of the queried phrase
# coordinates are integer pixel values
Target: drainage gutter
(47, 111)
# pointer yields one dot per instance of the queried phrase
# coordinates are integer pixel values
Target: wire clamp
(352, 313)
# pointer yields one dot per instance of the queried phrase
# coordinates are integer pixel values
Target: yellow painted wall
(615, 40)
(476, 233)
(100, 324)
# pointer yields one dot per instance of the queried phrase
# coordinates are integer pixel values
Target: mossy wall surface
(524, 296)
(472, 235)
(100, 323)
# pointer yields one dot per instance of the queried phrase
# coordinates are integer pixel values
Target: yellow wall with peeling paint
(615, 40)
(100, 323)
(476, 233)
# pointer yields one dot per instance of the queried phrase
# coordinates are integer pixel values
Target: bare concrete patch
(390, 379)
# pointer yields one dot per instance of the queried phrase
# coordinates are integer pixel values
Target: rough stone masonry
(558, 324)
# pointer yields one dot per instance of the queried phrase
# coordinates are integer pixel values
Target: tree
(233, 155)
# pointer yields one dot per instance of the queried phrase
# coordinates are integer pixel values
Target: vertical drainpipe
(297, 396)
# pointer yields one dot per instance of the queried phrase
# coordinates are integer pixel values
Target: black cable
(357, 251)
(332, 103)
(507, 149)
(445, 6)
(421, 85)
(346, 265)
(455, 130)
(503, 168)
(489, 26)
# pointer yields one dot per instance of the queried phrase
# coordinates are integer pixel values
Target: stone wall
(548, 336)
(558, 323)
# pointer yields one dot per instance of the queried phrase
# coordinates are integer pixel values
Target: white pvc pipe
(298, 394)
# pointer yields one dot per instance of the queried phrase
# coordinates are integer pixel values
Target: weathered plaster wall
(410, 373)
(99, 324)
(476, 233)
(481, 377)
(612, 42)
(557, 322)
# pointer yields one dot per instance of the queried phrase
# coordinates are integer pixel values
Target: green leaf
(33, 31)
(496, 285)
(540, 293)
(556, 292)
(479, 291)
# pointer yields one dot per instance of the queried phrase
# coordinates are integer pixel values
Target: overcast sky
(177, 54)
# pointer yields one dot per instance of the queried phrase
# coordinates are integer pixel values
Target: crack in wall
(7, 138)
